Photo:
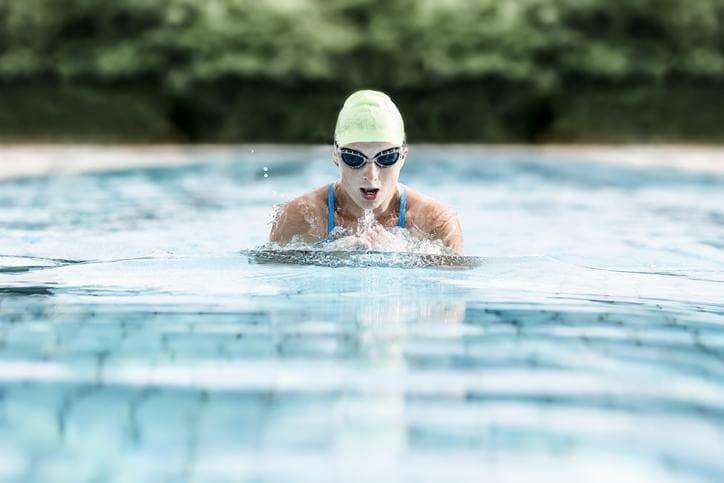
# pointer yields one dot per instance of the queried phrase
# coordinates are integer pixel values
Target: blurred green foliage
(461, 70)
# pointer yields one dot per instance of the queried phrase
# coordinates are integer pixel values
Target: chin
(369, 204)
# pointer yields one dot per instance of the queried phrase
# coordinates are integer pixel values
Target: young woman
(367, 199)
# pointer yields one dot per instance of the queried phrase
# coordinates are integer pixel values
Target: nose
(370, 172)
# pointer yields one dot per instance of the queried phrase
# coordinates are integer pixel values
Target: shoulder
(435, 220)
(304, 215)
(426, 210)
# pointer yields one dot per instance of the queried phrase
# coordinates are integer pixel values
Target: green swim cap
(369, 116)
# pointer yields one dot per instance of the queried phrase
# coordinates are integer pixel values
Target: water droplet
(266, 169)
(252, 151)
(266, 175)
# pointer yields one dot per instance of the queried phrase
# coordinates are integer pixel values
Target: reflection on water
(138, 344)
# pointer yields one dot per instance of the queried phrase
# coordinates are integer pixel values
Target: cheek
(390, 175)
(349, 179)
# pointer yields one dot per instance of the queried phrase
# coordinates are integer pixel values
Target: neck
(349, 209)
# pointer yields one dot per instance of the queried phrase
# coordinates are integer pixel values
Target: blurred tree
(519, 63)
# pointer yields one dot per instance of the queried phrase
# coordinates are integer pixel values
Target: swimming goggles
(355, 159)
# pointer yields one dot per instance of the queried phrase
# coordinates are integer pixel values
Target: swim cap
(369, 116)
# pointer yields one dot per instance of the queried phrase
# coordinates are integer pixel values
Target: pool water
(137, 342)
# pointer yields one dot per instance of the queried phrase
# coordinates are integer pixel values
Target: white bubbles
(370, 235)
(366, 221)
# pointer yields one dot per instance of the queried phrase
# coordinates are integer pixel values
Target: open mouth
(369, 193)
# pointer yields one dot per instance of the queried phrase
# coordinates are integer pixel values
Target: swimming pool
(138, 344)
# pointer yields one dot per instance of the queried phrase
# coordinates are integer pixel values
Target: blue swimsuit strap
(330, 208)
(403, 207)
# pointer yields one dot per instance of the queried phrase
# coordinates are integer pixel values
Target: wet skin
(374, 188)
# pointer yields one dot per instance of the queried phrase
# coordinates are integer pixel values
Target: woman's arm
(292, 219)
(443, 224)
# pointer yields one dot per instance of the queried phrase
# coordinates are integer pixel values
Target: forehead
(369, 148)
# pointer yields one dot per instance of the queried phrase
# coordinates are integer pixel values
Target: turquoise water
(138, 344)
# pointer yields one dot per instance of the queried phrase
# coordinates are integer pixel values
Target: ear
(335, 159)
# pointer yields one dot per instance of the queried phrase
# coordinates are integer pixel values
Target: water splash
(369, 235)
(342, 239)
(366, 222)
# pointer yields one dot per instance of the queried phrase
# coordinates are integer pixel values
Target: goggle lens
(387, 159)
(353, 160)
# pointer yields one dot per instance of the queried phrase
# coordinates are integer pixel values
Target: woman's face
(370, 186)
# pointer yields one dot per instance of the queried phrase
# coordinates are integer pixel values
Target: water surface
(138, 344)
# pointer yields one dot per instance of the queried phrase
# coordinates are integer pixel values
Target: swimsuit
(330, 208)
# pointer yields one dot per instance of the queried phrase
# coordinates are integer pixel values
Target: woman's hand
(374, 238)
(378, 238)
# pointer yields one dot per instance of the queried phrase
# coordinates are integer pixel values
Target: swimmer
(367, 199)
